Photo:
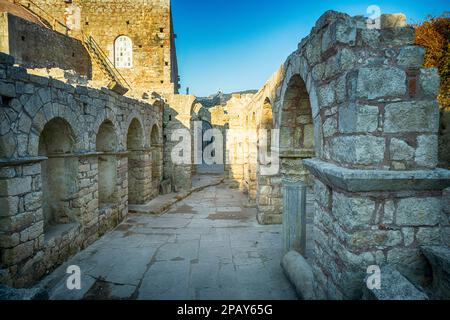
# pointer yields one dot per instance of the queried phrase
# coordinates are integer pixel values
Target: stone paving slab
(196, 250)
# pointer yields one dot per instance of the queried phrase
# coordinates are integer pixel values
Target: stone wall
(358, 103)
(178, 116)
(147, 22)
(37, 47)
(47, 126)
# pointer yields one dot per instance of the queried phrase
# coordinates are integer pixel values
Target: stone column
(139, 176)
(294, 216)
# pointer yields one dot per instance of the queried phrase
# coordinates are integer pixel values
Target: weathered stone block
(15, 186)
(439, 258)
(358, 118)
(428, 236)
(418, 211)
(364, 150)
(410, 262)
(429, 82)
(17, 254)
(321, 193)
(6, 59)
(9, 206)
(7, 89)
(426, 154)
(398, 36)
(400, 150)
(32, 201)
(340, 31)
(352, 212)
(411, 57)
(373, 238)
(393, 20)
(380, 82)
(411, 117)
(329, 127)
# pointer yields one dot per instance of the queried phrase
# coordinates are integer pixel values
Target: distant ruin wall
(34, 47)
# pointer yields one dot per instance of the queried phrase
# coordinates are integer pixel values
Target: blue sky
(232, 45)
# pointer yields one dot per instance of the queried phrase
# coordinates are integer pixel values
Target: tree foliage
(434, 34)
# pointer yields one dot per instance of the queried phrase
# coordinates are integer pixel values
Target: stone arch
(58, 174)
(296, 123)
(137, 163)
(296, 144)
(46, 114)
(108, 116)
(265, 123)
(135, 136)
(134, 116)
(107, 144)
(155, 135)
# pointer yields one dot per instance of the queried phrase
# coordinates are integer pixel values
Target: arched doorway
(206, 141)
(296, 131)
(136, 163)
(297, 144)
(59, 176)
(107, 144)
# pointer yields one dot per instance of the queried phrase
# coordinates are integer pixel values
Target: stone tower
(137, 36)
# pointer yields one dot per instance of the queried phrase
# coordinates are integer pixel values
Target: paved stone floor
(208, 246)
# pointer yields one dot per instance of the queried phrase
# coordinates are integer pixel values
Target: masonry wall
(374, 118)
(34, 46)
(147, 22)
(374, 111)
(178, 128)
(29, 245)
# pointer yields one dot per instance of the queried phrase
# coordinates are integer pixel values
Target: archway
(59, 175)
(107, 144)
(205, 167)
(136, 163)
(296, 131)
(156, 145)
(297, 144)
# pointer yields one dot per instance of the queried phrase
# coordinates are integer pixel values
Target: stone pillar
(157, 167)
(378, 191)
(21, 221)
(139, 176)
(294, 216)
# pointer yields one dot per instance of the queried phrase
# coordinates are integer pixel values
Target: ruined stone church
(90, 106)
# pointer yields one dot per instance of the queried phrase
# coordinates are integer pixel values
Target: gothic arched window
(123, 52)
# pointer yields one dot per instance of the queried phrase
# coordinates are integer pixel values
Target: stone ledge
(359, 180)
(439, 259)
(394, 286)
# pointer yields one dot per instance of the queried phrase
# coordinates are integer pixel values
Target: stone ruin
(358, 122)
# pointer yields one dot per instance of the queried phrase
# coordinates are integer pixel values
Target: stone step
(394, 286)
(439, 259)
